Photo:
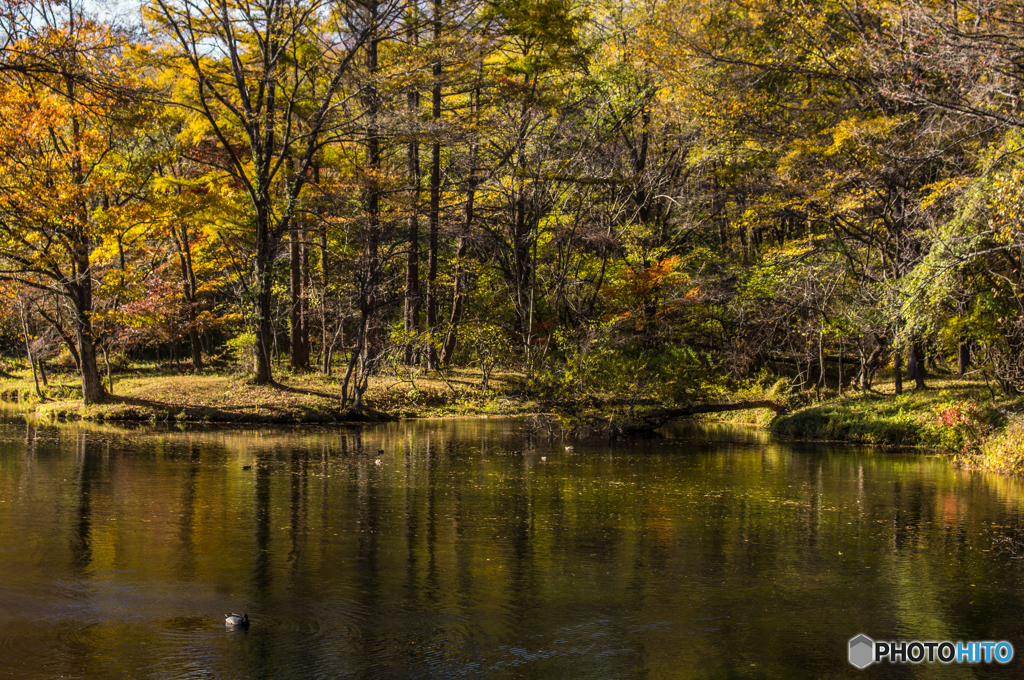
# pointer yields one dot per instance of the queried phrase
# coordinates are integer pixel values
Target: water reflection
(470, 549)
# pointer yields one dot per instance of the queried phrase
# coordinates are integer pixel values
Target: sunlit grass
(147, 392)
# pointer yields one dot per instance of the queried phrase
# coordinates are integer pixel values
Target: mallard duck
(236, 621)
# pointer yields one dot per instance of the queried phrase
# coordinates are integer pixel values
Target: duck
(236, 621)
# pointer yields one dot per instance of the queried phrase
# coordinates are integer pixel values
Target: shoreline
(961, 420)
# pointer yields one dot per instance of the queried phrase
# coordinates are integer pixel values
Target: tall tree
(265, 82)
(67, 131)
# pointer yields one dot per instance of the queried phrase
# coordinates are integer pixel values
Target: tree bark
(459, 294)
(28, 352)
(963, 358)
(325, 357)
(451, 338)
(413, 298)
(299, 354)
(189, 289)
(304, 300)
(263, 374)
(897, 369)
(92, 385)
(916, 364)
(435, 195)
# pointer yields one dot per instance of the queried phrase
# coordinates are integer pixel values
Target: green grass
(144, 393)
(915, 418)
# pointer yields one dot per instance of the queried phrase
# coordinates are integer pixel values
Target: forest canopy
(655, 200)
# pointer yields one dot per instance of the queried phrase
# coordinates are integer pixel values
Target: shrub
(1005, 451)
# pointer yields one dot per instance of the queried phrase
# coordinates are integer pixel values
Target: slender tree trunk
(459, 294)
(264, 312)
(435, 195)
(897, 369)
(963, 358)
(106, 364)
(57, 322)
(28, 352)
(367, 341)
(304, 300)
(840, 383)
(916, 364)
(189, 289)
(297, 348)
(458, 306)
(413, 298)
(325, 358)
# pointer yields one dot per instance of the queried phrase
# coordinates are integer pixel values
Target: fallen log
(659, 418)
(718, 408)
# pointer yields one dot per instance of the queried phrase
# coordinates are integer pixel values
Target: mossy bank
(977, 427)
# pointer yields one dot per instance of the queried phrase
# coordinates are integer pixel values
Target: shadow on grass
(139, 408)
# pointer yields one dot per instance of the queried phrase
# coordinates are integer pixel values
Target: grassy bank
(975, 426)
(149, 393)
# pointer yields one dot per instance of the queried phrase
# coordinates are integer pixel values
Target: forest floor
(150, 393)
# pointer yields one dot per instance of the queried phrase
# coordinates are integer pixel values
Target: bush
(242, 348)
(1005, 451)
(960, 426)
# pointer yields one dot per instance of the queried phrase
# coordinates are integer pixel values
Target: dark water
(464, 554)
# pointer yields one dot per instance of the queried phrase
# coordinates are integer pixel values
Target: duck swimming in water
(236, 621)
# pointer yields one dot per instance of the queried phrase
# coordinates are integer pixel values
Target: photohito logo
(864, 651)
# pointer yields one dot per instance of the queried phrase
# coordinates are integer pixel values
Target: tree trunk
(435, 196)
(298, 354)
(189, 289)
(897, 369)
(963, 357)
(459, 294)
(92, 385)
(839, 385)
(458, 305)
(304, 300)
(413, 300)
(916, 364)
(196, 344)
(325, 357)
(28, 353)
(868, 366)
(264, 322)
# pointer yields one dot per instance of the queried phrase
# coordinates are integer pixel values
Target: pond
(473, 549)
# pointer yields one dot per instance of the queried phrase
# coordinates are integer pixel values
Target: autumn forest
(661, 200)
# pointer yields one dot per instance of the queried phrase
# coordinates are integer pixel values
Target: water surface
(465, 548)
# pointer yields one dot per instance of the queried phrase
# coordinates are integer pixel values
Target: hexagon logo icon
(862, 651)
